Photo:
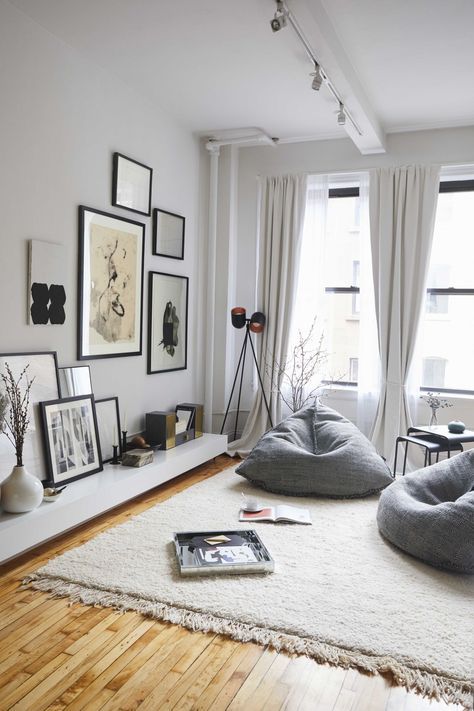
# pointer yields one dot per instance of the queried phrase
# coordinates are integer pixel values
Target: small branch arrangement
(14, 409)
(298, 370)
(435, 402)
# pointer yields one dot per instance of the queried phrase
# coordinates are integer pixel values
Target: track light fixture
(341, 115)
(317, 77)
(279, 19)
(284, 16)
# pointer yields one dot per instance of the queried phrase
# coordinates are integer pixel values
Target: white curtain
(402, 212)
(368, 389)
(282, 210)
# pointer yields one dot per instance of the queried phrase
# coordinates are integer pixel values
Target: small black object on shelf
(115, 458)
(124, 441)
(254, 324)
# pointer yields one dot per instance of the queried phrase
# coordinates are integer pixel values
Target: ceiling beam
(322, 37)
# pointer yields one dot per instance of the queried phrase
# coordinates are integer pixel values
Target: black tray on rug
(215, 552)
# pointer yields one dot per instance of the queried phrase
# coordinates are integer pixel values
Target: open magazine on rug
(282, 512)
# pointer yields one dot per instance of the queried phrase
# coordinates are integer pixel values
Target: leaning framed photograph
(167, 322)
(42, 371)
(108, 423)
(71, 438)
(111, 252)
(131, 184)
(75, 380)
(168, 234)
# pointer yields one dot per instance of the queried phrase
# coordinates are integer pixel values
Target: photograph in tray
(216, 552)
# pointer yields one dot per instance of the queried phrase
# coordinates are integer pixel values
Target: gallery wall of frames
(72, 433)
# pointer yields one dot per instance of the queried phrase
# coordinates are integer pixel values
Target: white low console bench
(88, 497)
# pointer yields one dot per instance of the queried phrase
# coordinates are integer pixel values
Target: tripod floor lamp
(254, 324)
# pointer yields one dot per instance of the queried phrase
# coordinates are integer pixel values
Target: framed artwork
(108, 423)
(46, 289)
(111, 251)
(168, 234)
(131, 184)
(43, 371)
(75, 380)
(167, 322)
(71, 438)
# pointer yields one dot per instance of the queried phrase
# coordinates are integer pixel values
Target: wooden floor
(59, 656)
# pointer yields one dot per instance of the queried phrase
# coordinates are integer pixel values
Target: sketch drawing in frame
(168, 234)
(111, 253)
(167, 322)
(131, 184)
(71, 438)
(43, 371)
(108, 423)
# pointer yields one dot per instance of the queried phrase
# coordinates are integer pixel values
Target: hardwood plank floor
(58, 656)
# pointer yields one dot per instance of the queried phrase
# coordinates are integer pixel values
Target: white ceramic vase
(21, 491)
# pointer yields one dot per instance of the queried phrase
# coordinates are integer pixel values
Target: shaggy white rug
(339, 593)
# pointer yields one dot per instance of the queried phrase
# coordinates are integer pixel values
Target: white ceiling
(213, 64)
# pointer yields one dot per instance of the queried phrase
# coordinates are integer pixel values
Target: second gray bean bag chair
(430, 513)
(316, 452)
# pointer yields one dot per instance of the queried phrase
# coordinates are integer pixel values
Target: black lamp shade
(238, 316)
(257, 322)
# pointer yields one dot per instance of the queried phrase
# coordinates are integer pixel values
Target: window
(342, 279)
(434, 370)
(354, 369)
(447, 334)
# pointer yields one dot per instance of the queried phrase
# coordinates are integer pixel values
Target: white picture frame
(43, 371)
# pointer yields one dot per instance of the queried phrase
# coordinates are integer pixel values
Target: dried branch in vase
(14, 409)
(295, 375)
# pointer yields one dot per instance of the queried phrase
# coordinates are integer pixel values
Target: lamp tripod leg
(261, 382)
(247, 338)
(242, 352)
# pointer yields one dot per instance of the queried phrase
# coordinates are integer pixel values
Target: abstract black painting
(46, 290)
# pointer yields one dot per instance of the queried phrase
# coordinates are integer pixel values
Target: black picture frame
(105, 408)
(110, 289)
(44, 369)
(168, 234)
(167, 322)
(71, 438)
(131, 184)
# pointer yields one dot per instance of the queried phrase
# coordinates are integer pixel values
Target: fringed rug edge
(426, 682)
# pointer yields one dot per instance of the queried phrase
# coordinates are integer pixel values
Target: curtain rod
(355, 171)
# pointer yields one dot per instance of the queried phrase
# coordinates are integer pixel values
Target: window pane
(342, 241)
(341, 338)
(448, 338)
(453, 237)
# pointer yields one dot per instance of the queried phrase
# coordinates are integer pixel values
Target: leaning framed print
(167, 322)
(42, 372)
(168, 234)
(71, 438)
(108, 423)
(131, 184)
(110, 299)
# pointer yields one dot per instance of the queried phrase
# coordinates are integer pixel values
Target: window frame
(352, 191)
(452, 186)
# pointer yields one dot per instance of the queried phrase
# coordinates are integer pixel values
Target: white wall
(61, 118)
(444, 147)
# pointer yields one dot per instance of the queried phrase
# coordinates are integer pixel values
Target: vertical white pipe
(211, 286)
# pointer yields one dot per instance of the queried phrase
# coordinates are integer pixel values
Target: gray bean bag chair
(430, 513)
(316, 452)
